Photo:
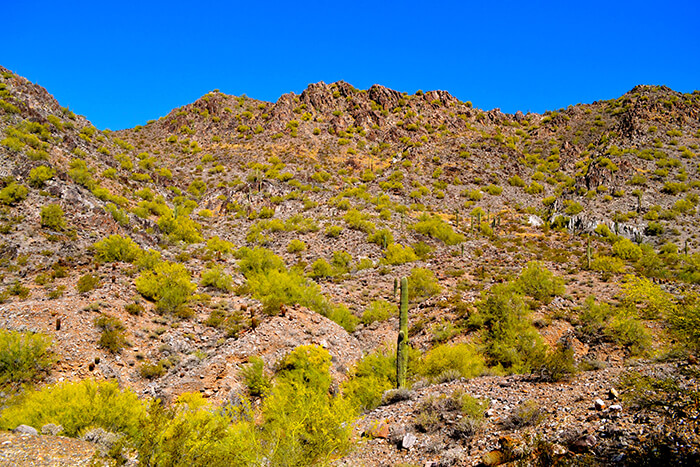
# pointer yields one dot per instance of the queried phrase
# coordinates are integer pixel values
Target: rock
(558, 449)
(104, 440)
(599, 404)
(535, 221)
(26, 429)
(51, 429)
(379, 431)
(493, 458)
(613, 394)
(584, 443)
(615, 407)
(409, 439)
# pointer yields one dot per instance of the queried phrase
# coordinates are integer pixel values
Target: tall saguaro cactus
(402, 344)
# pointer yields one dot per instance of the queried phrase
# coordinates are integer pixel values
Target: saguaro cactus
(396, 287)
(402, 344)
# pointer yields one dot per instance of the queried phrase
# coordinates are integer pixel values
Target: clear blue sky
(123, 63)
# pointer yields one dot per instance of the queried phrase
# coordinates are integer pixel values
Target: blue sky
(123, 63)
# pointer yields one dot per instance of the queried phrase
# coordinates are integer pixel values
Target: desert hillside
(221, 286)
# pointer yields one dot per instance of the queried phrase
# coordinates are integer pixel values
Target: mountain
(171, 256)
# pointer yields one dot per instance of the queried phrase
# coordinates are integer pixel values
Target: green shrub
(493, 189)
(341, 262)
(254, 377)
(77, 407)
(150, 370)
(396, 254)
(39, 175)
(464, 359)
(515, 180)
(87, 283)
(607, 264)
(627, 250)
(358, 221)
(80, 174)
(378, 310)
(116, 248)
(13, 193)
(321, 269)
(422, 284)
(52, 217)
(510, 339)
(112, 337)
(296, 246)
(382, 237)
(343, 316)
(333, 231)
(168, 284)
(219, 247)
(435, 227)
(217, 278)
(371, 376)
(539, 283)
(180, 228)
(299, 407)
(257, 260)
(559, 363)
(24, 357)
(275, 288)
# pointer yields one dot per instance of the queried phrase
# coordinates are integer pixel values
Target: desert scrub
(511, 341)
(77, 406)
(180, 228)
(378, 310)
(422, 284)
(112, 337)
(396, 254)
(13, 194)
(462, 359)
(116, 248)
(52, 217)
(87, 283)
(168, 284)
(24, 357)
(38, 176)
(254, 377)
(435, 227)
(538, 282)
(217, 278)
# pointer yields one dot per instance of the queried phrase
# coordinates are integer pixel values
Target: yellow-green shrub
(396, 254)
(462, 358)
(116, 248)
(52, 217)
(168, 284)
(77, 406)
(24, 357)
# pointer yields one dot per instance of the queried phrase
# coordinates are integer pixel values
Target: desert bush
(307, 422)
(627, 250)
(382, 237)
(180, 228)
(296, 246)
(528, 413)
(52, 217)
(607, 264)
(13, 193)
(358, 221)
(77, 407)
(150, 370)
(515, 180)
(397, 254)
(116, 248)
(374, 374)
(168, 284)
(219, 247)
(217, 278)
(462, 358)
(39, 175)
(275, 288)
(87, 283)
(510, 339)
(254, 377)
(321, 268)
(112, 337)
(333, 231)
(559, 363)
(80, 173)
(343, 316)
(647, 298)
(422, 284)
(257, 260)
(435, 227)
(24, 357)
(538, 282)
(378, 310)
